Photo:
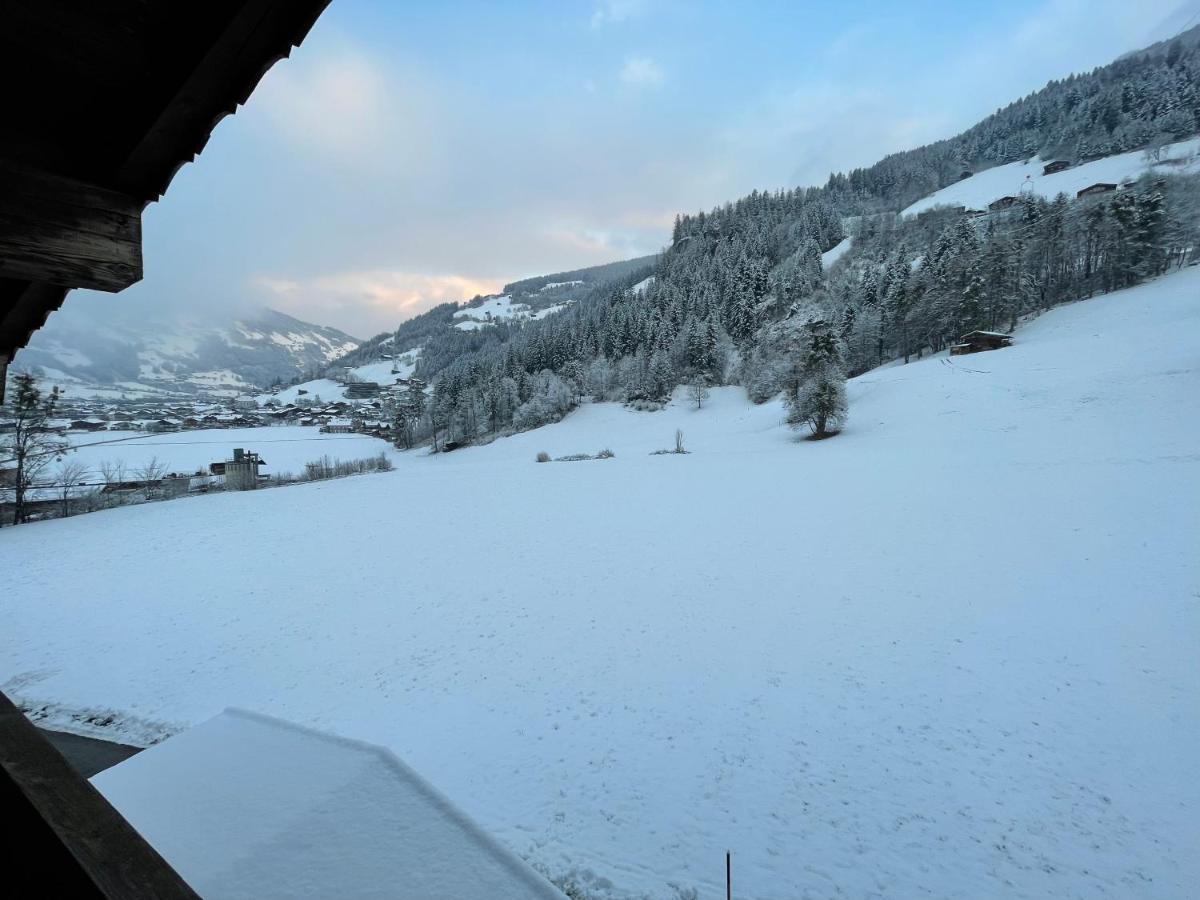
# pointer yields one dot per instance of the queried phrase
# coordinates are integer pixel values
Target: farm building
(1100, 187)
(241, 472)
(1056, 165)
(362, 390)
(979, 341)
(1002, 203)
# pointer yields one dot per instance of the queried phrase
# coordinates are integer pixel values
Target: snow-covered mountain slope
(951, 652)
(503, 308)
(384, 371)
(984, 187)
(90, 357)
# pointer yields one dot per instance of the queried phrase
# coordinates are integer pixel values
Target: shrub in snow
(679, 448)
(543, 457)
(323, 468)
(605, 454)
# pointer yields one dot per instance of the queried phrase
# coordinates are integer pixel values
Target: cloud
(613, 12)
(597, 244)
(343, 106)
(641, 71)
(359, 300)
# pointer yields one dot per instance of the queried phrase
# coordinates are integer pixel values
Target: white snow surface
(286, 448)
(640, 287)
(248, 806)
(493, 309)
(382, 372)
(952, 652)
(326, 389)
(834, 253)
(984, 187)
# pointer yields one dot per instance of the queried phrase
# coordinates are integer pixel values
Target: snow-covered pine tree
(816, 396)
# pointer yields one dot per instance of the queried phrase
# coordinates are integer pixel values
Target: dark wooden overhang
(101, 103)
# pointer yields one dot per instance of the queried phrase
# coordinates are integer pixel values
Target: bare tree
(71, 474)
(113, 473)
(697, 390)
(152, 470)
(30, 446)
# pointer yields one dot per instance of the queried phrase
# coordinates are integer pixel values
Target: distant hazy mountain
(87, 355)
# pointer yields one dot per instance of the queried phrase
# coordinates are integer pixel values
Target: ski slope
(952, 652)
(984, 187)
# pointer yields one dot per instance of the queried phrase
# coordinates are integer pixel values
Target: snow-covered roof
(245, 805)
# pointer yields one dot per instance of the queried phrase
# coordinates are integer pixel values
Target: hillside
(113, 357)
(899, 260)
(984, 187)
(949, 653)
(452, 331)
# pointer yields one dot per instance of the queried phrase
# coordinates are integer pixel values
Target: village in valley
(107, 432)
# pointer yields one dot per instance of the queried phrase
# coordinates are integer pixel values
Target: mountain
(452, 330)
(111, 357)
(1089, 185)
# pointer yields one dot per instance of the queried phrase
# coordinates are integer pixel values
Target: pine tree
(816, 398)
(29, 446)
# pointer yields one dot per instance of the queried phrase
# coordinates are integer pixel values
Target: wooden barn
(1057, 165)
(1100, 187)
(979, 341)
(1002, 203)
(103, 103)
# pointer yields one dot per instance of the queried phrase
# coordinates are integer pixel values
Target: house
(1056, 165)
(361, 390)
(1002, 203)
(274, 809)
(87, 425)
(979, 341)
(1100, 187)
(338, 428)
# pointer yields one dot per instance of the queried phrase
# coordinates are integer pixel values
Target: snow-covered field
(982, 188)
(286, 448)
(953, 652)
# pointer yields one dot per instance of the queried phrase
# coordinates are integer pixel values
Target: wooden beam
(67, 233)
(257, 34)
(24, 308)
(54, 815)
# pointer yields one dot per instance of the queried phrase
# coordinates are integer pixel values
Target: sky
(409, 154)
